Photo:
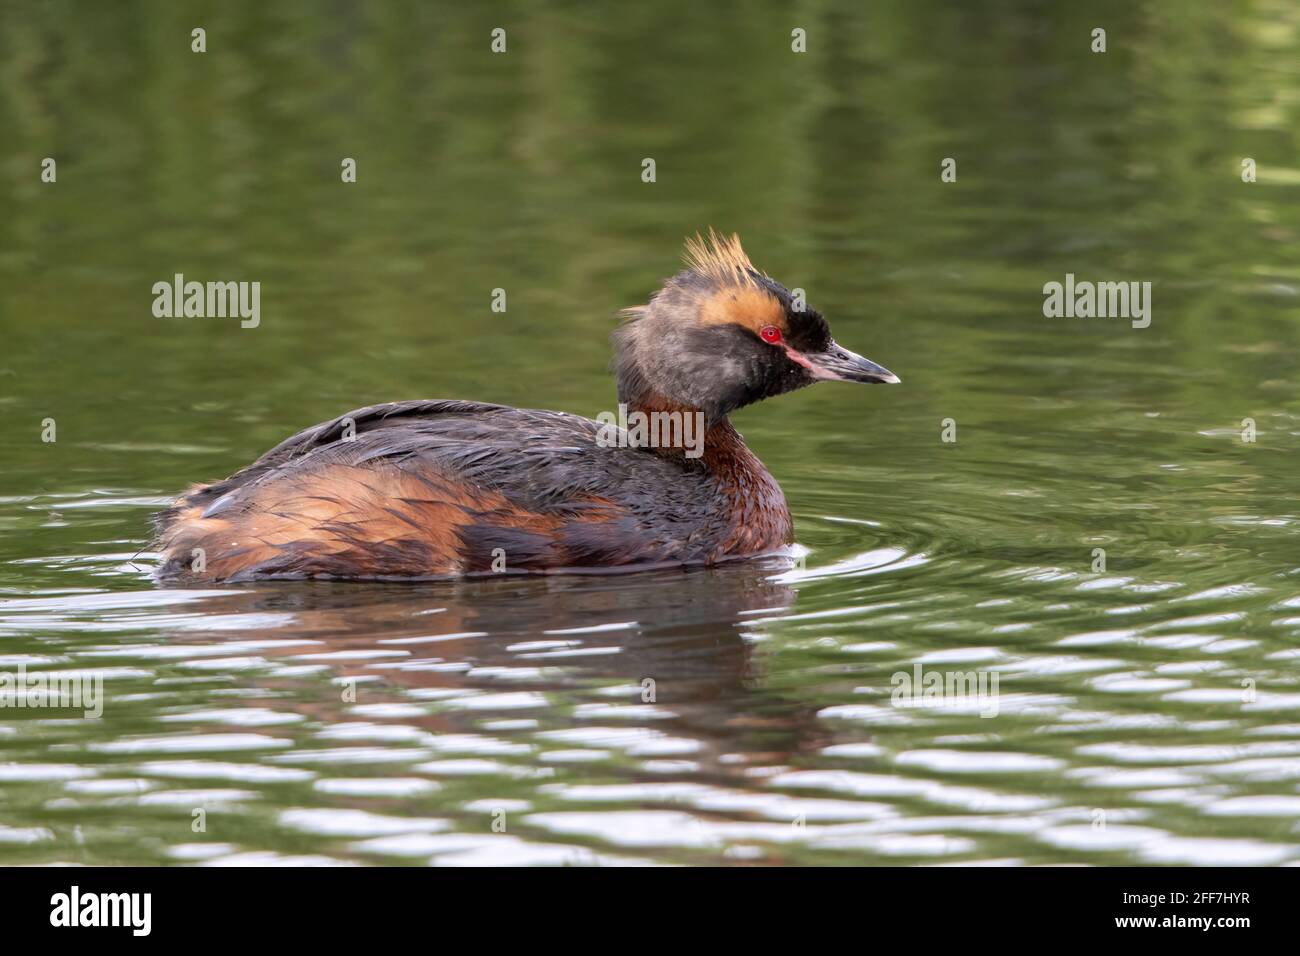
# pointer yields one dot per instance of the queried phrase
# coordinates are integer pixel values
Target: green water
(1147, 712)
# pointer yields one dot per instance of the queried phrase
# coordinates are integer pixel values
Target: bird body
(427, 489)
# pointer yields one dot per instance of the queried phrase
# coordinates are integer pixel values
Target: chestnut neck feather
(725, 453)
(758, 515)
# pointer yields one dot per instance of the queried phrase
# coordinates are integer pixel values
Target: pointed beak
(838, 364)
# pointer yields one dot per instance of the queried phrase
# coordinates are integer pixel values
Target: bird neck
(759, 518)
(677, 430)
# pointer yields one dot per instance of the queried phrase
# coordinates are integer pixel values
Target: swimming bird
(429, 489)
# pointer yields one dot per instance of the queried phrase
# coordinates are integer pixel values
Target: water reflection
(670, 650)
(733, 714)
(511, 689)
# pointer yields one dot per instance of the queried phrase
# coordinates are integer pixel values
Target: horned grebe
(427, 489)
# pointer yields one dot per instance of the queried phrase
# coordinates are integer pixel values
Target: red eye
(770, 334)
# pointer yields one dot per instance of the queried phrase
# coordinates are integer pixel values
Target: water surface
(1147, 712)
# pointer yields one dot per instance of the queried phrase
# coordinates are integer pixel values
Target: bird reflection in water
(673, 652)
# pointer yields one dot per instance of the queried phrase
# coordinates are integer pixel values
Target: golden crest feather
(720, 258)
